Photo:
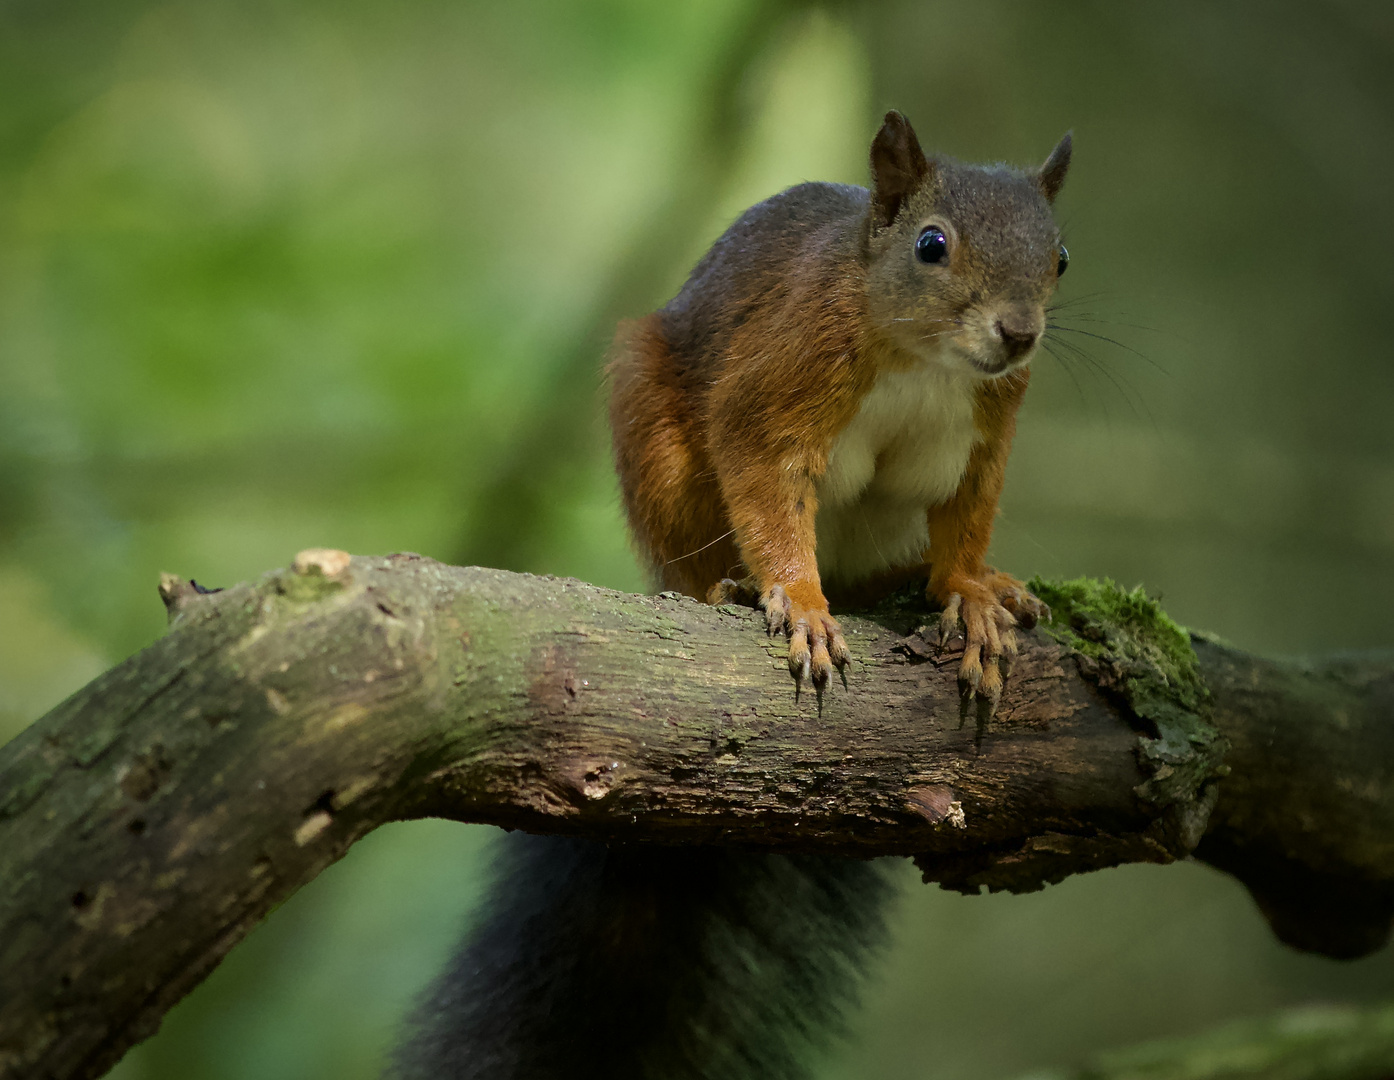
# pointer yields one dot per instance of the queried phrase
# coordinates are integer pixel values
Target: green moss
(1101, 620)
(1128, 646)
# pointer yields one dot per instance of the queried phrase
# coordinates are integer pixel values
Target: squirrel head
(961, 259)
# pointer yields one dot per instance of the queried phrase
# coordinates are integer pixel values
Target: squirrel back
(804, 233)
(628, 962)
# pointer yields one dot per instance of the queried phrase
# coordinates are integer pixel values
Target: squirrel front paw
(1011, 594)
(984, 611)
(816, 643)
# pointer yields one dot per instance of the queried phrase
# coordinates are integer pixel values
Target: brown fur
(670, 486)
(727, 402)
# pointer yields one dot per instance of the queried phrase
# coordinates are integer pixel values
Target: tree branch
(151, 820)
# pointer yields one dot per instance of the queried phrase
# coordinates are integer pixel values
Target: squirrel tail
(629, 962)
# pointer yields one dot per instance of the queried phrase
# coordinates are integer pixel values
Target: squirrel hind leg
(745, 592)
(671, 494)
(702, 571)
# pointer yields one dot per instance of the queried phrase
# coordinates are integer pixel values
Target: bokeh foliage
(282, 273)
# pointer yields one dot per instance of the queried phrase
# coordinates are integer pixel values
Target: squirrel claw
(986, 614)
(948, 623)
(991, 685)
(822, 663)
(816, 644)
(800, 656)
(838, 652)
(1017, 601)
(970, 670)
(777, 611)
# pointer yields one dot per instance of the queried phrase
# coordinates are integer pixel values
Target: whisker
(1111, 341)
(1115, 322)
(1135, 401)
(1094, 365)
(1074, 301)
(1045, 344)
(871, 535)
(701, 549)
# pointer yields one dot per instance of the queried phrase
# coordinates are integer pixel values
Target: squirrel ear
(898, 166)
(1052, 175)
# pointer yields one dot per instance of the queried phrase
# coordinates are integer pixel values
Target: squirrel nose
(1017, 339)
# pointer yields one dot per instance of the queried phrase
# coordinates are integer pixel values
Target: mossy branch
(150, 821)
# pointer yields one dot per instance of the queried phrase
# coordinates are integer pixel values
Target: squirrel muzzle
(1000, 338)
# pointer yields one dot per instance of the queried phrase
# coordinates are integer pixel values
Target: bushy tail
(643, 962)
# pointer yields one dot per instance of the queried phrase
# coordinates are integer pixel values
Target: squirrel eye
(932, 245)
(1064, 262)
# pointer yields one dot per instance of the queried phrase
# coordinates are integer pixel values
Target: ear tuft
(1052, 174)
(898, 167)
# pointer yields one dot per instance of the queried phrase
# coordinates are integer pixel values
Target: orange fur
(670, 487)
(792, 382)
(961, 528)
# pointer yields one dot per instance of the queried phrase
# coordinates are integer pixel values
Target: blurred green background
(283, 273)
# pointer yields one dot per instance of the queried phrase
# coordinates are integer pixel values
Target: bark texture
(152, 819)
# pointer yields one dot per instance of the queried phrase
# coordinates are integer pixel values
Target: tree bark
(151, 820)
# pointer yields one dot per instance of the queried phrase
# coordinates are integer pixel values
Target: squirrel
(825, 409)
(828, 403)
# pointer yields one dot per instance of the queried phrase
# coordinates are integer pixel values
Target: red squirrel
(825, 409)
(827, 406)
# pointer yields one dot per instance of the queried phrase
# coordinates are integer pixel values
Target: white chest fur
(904, 451)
